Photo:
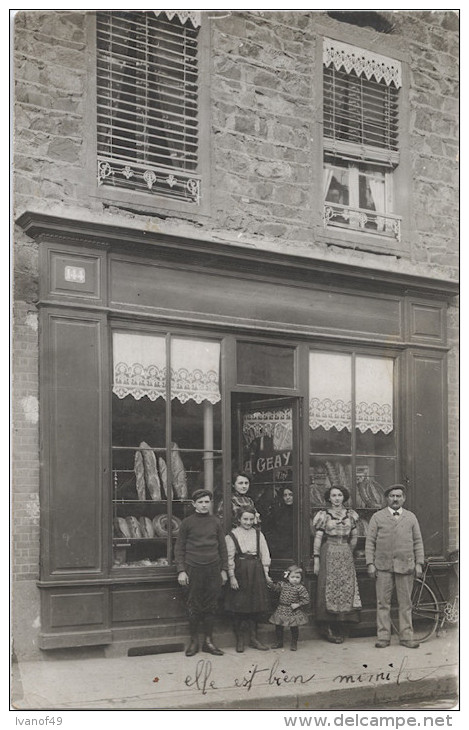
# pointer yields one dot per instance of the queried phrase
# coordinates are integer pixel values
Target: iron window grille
(147, 103)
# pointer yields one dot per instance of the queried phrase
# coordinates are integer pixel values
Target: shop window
(166, 440)
(352, 429)
(360, 139)
(148, 85)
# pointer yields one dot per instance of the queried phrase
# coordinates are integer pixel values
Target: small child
(293, 595)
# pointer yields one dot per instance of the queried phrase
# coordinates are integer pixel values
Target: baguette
(163, 469)
(178, 473)
(152, 479)
(139, 475)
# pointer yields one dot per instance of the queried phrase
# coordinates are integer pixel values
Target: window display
(163, 449)
(352, 430)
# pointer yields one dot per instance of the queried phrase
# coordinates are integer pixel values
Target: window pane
(375, 433)
(330, 394)
(259, 364)
(327, 472)
(374, 475)
(150, 484)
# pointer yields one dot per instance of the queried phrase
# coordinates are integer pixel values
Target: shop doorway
(266, 447)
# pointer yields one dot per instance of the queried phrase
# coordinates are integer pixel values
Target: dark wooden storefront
(98, 279)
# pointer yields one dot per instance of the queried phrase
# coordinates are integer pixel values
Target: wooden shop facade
(168, 363)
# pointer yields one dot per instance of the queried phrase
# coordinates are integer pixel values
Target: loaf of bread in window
(152, 479)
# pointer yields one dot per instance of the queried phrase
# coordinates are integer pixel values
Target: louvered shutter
(360, 104)
(147, 104)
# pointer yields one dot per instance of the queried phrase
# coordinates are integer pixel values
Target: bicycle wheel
(425, 611)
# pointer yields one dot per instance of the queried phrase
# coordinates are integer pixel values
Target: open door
(268, 450)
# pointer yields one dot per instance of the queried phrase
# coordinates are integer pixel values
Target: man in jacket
(394, 555)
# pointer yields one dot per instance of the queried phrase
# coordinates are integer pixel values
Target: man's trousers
(385, 582)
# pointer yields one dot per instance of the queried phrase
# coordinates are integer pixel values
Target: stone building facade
(263, 160)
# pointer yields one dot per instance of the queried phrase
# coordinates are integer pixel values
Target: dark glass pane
(259, 364)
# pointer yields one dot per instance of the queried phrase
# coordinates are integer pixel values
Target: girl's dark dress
(252, 597)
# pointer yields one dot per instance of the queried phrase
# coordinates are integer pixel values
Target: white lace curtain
(367, 63)
(139, 366)
(195, 16)
(330, 388)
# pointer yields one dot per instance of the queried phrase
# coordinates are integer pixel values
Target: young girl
(248, 570)
(293, 596)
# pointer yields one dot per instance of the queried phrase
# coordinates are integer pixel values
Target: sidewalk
(319, 676)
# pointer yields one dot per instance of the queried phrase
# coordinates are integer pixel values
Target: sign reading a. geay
(262, 464)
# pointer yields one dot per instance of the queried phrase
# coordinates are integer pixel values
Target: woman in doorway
(280, 525)
(335, 539)
(248, 571)
(240, 499)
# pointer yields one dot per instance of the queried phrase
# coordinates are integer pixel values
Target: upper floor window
(148, 103)
(361, 141)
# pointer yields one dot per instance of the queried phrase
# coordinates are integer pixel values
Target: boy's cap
(199, 493)
(395, 486)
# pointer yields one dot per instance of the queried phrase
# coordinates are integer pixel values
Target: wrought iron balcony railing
(359, 219)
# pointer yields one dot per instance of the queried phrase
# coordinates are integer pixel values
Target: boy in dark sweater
(202, 564)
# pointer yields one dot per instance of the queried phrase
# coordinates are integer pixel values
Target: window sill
(148, 203)
(360, 240)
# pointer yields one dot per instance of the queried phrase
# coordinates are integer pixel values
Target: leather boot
(210, 647)
(254, 642)
(278, 638)
(238, 630)
(193, 647)
(208, 644)
(294, 638)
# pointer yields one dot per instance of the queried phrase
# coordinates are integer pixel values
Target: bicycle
(431, 610)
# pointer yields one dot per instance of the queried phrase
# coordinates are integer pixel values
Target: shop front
(168, 364)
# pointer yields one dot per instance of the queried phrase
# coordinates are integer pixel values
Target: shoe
(409, 643)
(293, 645)
(240, 644)
(193, 648)
(277, 645)
(210, 648)
(382, 643)
(339, 639)
(256, 644)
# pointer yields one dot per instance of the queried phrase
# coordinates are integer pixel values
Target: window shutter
(147, 105)
(361, 113)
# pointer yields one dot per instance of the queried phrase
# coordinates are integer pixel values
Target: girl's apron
(253, 594)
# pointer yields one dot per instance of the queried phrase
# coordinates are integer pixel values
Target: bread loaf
(163, 469)
(134, 527)
(139, 475)
(152, 479)
(121, 528)
(178, 473)
(160, 525)
(146, 526)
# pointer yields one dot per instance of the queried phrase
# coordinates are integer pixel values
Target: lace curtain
(194, 16)
(276, 424)
(140, 368)
(330, 387)
(347, 57)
